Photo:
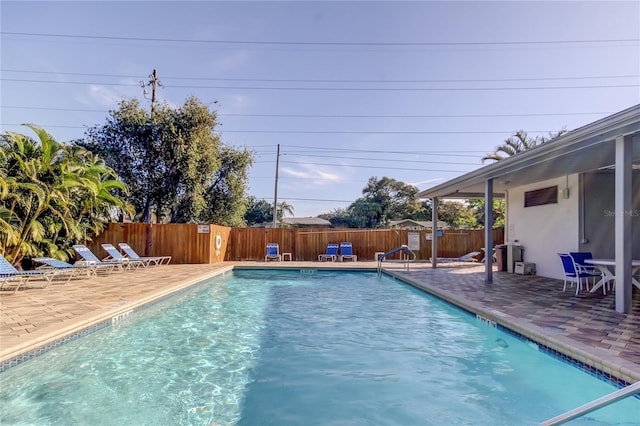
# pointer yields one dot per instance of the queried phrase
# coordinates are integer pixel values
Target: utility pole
(275, 195)
(154, 83)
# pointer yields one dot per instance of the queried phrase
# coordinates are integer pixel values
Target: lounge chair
(76, 268)
(88, 257)
(273, 252)
(156, 260)
(331, 253)
(114, 254)
(10, 276)
(469, 257)
(346, 252)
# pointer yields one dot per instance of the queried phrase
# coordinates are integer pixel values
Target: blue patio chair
(156, 260)
(331, 253)
(10, 276)
(572, 272)
(273, 252)
(346, 252)
(114, 254)
(579, 258)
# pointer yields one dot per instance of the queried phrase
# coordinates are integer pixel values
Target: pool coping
(573, 352)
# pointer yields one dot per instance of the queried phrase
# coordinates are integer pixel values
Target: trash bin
(501, 257)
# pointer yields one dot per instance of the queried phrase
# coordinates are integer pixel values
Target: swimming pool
(283, 347)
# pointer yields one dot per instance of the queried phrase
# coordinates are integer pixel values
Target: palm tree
(53, 193)
(284, 207)
(517, 143)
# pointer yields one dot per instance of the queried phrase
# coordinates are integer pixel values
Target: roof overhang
(588, 148)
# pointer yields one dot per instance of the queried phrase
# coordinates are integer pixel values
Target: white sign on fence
(414, 240)
(203, 229)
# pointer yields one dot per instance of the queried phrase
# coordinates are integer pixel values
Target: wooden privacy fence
(184, 242)
(306, 243)
(192, 243)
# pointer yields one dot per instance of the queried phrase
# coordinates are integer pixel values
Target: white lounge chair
(10, 276)
(76, 268)
(469, 257)
(156, 260)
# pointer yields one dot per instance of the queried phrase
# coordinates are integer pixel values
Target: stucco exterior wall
(544, 231)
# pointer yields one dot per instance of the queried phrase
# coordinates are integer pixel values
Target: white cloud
(235, 103)
(310, 174)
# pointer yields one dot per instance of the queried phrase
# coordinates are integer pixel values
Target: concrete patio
(585, 327)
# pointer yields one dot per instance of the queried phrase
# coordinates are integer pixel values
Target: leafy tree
(365, 213)
(477, 209)
(455, 214)
(425, 211)
(175, 164)
(383, 200)
(258, 211)
(340, 218)
(518, 142)
(396, 200)
(52, 196)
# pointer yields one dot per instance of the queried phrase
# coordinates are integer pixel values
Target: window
(540, 197)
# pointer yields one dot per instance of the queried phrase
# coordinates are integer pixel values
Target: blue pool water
(285, 348)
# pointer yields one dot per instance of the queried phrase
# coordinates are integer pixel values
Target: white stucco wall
(544, 231)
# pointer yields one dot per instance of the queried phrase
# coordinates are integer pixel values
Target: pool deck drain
(585, 327)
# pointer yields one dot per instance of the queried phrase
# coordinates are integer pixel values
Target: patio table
(607, 273)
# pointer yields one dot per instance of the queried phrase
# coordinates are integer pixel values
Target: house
(578, 192)
(415, 224)
(298, 222)
(306, 222)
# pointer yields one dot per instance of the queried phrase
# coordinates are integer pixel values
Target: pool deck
(585, 327)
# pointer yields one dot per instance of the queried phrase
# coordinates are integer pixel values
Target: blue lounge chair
(273, 252)
(76, 268)
(346, 252)
(114, 254)
(10, 276)
(331, 253)
(156, 260)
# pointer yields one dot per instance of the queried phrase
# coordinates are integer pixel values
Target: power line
(332, 89)
(368, 132)
(374, 167)
(308, 199)
(290, 80)
(391, 160)
(222, 114)
(385, 132)
(327, 43)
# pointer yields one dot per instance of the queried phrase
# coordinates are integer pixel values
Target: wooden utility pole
(275, 195)
(154, 83)
(146, 218)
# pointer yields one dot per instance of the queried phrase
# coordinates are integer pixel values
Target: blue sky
(416, 91)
